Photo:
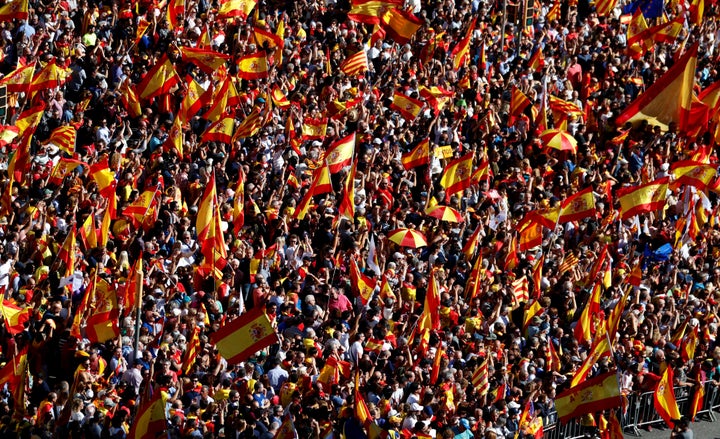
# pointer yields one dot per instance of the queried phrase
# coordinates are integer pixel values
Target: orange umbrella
(445, 213)
(407, 238)
(559, 139)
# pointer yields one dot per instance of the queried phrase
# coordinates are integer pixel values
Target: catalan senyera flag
(596, 394)
(537, 60)
(371, 11)
(408, 107)
(239, 203)
(220, 131)
(14, 10)
(19, 80)
(355, 64)
(50, 76)
(340, 153)
(250, 126)
(599, 349)
(314, 129)
(647, 197)
(664, 398)
(236, 8)
(568, 108)
(159, 80)
(131, 294)
(15, 317)
(175, 14)
(400, 25)
(518, 101)
(207, 60)
(150, 421)
(129, 99)
(364, 286)
(253, 66)
(462, 49)
(64, 138)
(520, 290)
(604, 7)
(669, 99)
(102, 323)
(347, 204)
(420, 155)
(692, 173)
(457, 175)
(480, 379)
(241, 338)
(578, 206)
(191, 351)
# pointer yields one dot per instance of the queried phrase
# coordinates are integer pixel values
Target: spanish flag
(220, 131)
(207, 60)
(50, 76)
(239, 203)
(408, 107)
(195, 98)
(371, 11)
(420, 155)
(664, 398)
(530, 236)
(142, 210)
(62, 169)
(518, 101)
(340, 153)
(224, 96)
(66, 254)
(461, 51)
(670, 33)
(472, 243)
(241, 338)
(102, 324)
(599, 349)
(159, 80)
(635, 30)
(314, 129)
(265, 39)
(584, 328)
(103, 176)
(15, 317)
(400, 25)
(669, 99)
(64, 138)
(279, 98)
(19, 80)
(132, 292)
(363, 285)
(8, 133)
(355, 64)
(88, 234)
(150, 421)
(647, 197)
(14, 10)
(236, 8)
(321, 185)
(28, 121)
(457, 175)
(175, 14)
(362, 413)
(578, 206)
(531, 310)
(430, 318)
(596, 394)
(129, 99)
(12, 372)
(333, 370)
(347, 204)
(253, 66)
(537, 60)
(692, 173)
(175, 138)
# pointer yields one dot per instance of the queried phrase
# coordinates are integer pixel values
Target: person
(682, 429)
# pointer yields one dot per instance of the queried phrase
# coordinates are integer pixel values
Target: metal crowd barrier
(640, 413)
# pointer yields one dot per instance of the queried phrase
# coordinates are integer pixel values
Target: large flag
(150, 421)
(15, 317)
(400, 25)
(457, 175)
(692, 173)
(175, 13)
(220, 131)
(669, 99)
(102, 323)
(207, 60)
(371, 11)
(355, 64)
(647, 197)
(600, 349)
(664, 399)
(159, 80)
(241, 338)
(14, 10)
(596, 394)
(50, 76)
(253, 66)
(408, 107)
(340, 153)
(420, 155)
(236, 8)
(19, 79)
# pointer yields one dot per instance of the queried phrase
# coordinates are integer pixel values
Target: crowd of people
(300, 270)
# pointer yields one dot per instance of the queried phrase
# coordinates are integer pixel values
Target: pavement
(702, 429)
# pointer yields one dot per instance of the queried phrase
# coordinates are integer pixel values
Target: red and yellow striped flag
(340, 153)
(175, 14)
(420, 155)
(64, 138)
(457, 175)
(355, 64)
(518, 101)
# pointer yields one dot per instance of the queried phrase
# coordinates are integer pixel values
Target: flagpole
(139, 288)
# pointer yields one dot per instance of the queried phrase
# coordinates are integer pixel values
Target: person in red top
(339, 301)
(45, 410)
